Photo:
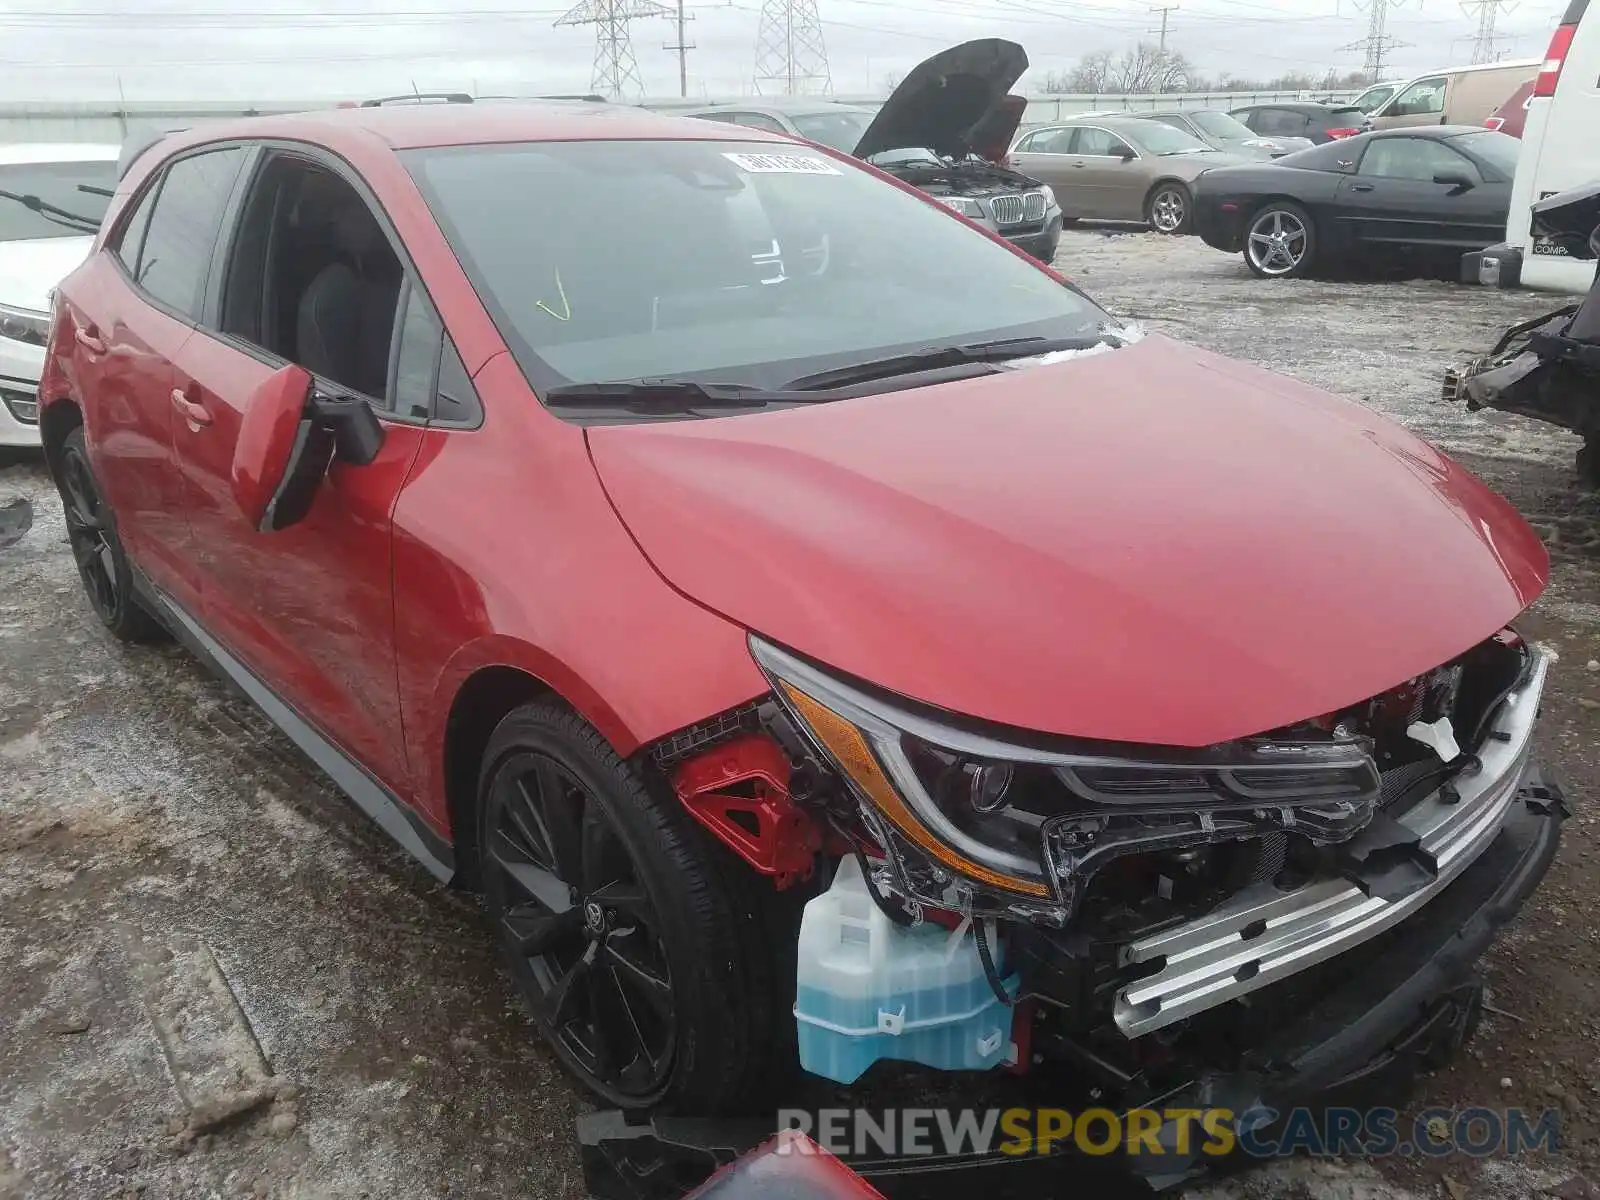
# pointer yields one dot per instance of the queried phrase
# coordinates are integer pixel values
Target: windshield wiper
(936, 358)
(50, 212)
(92, 190)
(662, 395)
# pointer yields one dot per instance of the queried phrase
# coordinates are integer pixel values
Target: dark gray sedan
(1221, 131)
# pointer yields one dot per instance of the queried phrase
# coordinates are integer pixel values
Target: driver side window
(1415, 158)
(1423, 98)
(313, 278)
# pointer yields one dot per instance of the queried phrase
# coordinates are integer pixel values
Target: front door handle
(1360, 187)
(195, 414)
(89, 339)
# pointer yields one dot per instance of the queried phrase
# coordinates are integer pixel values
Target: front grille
(21, 400)
(1012, 209)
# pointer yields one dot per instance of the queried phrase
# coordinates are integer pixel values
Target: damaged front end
(1282, 920)
(1548, 368)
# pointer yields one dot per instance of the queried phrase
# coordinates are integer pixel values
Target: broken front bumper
(1264, 935)
(1408, 999)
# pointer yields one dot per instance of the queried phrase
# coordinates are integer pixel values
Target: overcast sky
(268, 49)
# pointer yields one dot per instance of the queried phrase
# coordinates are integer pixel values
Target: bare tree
(1145, 68)
(891, 80)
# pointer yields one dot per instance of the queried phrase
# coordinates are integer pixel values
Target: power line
(789, 48)
(616, 70)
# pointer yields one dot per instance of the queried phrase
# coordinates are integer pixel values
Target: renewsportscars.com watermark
(1258, 1132)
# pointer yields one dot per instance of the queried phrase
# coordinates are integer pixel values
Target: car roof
(783, 108)
(1299, 106)
(16, 153)
(414, 126)
(1436, 132)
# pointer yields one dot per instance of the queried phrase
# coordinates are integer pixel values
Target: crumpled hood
(1153, 545)
(952, 102)
(29, 269)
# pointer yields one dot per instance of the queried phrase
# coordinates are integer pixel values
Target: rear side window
(126, 244)
(183, 228)
(1281, 120)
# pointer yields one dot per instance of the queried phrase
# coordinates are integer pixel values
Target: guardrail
(101, 121)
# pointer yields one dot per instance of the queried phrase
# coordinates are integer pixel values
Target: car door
(307, 268)
(1113, 175)
(1394, 199)
(1045, 155)
(133, 310)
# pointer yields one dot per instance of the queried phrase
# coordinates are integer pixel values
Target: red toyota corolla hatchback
(639, 518)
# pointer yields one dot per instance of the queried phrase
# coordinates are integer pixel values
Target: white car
(51, 200)
(1558, 151)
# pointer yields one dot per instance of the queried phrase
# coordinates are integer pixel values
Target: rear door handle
(89, 339)
(1360, 187)
(195, 414)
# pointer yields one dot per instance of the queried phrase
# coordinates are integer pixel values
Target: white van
(1454, 95)
(1560, 149)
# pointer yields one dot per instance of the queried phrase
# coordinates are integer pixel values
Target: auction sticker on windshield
(782, 164)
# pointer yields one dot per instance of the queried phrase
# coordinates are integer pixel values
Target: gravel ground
(189, 915)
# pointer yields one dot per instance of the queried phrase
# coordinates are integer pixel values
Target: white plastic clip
(989, 1043)
(891, 1022)
(1438, 736)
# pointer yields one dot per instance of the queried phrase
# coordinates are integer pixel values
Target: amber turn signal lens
(850, 750)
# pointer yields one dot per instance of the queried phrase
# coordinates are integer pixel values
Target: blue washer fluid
(869, 989)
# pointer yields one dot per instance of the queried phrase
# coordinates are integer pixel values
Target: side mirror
(1456, 181)
(1127, 154)
(288, 436)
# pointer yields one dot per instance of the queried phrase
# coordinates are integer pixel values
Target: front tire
(1281, 241)
(102, 563)
(645, 954)
(1169, 209)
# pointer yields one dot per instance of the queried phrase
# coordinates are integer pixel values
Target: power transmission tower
(616, 71)
(789, 48)
(682, 48)
(1377, 43)
(1483, 45)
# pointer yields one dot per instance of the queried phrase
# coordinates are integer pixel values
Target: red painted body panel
(129, 427)
(507, 553)
(309, 608)
(1151, 545)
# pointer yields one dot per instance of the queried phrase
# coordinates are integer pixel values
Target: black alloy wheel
(92, 534)
(580, 928)
(652, 960)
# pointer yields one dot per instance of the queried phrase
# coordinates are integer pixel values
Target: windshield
(751, 266)
(841, 130)
(1372, 99)
(1499, 150)
(54, 183)
(1221, 125)
(1164, 139)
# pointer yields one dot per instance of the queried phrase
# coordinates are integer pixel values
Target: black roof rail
(417, 98)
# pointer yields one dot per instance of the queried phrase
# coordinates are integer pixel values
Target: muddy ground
(166, 857)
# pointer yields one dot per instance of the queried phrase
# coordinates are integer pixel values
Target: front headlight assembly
(24, 325)
(964, 206)
(994, 820)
